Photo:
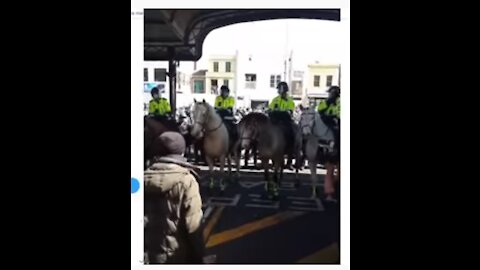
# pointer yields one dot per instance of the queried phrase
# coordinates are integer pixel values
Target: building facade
(320, 78)
(155, 75)
(258, 76)
(221, 71)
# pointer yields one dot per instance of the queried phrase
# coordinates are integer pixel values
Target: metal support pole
(339, 73)
(172, 74)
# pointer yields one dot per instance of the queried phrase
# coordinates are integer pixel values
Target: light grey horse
(208, 124)
(319, 143)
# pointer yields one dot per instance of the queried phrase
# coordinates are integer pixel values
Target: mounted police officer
(224, 104)
(281, 111)
(329, 110)
(159, 108)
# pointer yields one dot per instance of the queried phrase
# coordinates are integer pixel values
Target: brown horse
(152, 145)
(271, 145)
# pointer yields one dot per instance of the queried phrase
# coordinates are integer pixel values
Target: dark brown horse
(256, 128)
(152, 130)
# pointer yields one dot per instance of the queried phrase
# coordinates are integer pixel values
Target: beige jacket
(173, 212)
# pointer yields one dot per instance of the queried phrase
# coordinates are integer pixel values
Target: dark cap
(334, 88)
(224, 88)
(284, 84)
(173, 142)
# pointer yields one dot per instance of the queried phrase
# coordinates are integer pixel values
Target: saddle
(285, 122)
(168, 122)
(229, 122)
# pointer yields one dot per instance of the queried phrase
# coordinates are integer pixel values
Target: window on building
(251, 77)
(329, 80)
(272, 81)
(225, 82)
(250, 81)
(199, 87)
(145, 74)
(279, 78)
(228, 67)
(214, 86)
(215, 66)
(297, 88)
(316, 81)
(160, 75)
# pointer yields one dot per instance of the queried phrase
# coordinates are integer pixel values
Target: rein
(202, 124)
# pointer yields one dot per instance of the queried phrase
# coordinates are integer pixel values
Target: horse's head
(200, 113)
(307, 120)
(249, 128)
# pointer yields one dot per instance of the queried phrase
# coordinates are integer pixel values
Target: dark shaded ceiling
(179, 34)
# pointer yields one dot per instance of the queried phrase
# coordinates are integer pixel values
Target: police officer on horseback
(224, 103)
(281, 111)
(282, 102)
(329, 110)
(159, 108)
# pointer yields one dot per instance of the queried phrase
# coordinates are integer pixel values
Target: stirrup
(222, 185)
(211, 184)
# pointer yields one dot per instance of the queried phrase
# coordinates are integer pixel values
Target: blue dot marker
(135, 185)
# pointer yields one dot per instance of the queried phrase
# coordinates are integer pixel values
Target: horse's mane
(209, 107)
(254, 119)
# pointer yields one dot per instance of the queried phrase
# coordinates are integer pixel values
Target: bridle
(202, 124)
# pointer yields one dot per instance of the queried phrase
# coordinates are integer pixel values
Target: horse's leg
(265, 173)
(229, 161)
(277, 175)
(312, 163)
(254, 151)
(222, 173)
(246, 158)
(237, 152)
(279, 169)
(195, 153)
(211, 183)
(328, 186)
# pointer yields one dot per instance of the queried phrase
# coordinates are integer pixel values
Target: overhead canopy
(179, 34)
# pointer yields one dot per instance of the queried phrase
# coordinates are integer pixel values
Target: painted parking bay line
(235, 233)
(329, 254)
(212, 222)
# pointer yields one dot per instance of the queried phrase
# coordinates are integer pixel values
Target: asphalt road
(243, 226)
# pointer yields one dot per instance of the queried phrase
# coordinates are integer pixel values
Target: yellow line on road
(212, 222)
(232, 234)
(330, 254)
